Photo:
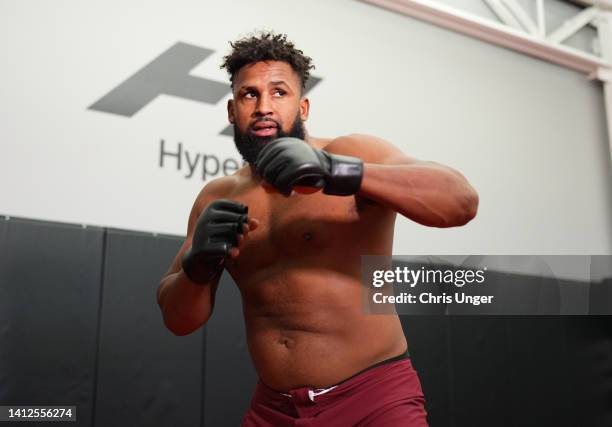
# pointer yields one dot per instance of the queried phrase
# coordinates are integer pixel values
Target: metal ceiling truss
(518, 31)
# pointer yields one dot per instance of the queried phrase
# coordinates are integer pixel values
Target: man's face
(267, 105)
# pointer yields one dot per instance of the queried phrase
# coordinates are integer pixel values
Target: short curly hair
(266, 46)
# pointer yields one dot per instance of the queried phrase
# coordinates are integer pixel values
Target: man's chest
(297, 224)
(302, 233)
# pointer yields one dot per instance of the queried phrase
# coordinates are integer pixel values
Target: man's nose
(264, 106)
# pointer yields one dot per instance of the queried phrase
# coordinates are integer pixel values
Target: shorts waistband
(404, 355)
(317, 391)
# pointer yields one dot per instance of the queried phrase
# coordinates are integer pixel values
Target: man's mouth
(263, 129)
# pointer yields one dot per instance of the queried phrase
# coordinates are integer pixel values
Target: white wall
(529, 135)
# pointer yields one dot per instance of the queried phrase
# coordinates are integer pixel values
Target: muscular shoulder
(368, 148)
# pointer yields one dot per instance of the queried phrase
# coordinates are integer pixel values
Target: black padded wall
(514, 371)
(79, 325)
(49, 301)
(429, 345)
(146, 376)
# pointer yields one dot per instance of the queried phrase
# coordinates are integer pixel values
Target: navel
(286, 342)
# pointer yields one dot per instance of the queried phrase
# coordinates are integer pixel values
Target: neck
(252, 169)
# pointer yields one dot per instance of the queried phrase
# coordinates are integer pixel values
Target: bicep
(371, 150)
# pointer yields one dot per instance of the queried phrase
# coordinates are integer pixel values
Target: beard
(249, 145)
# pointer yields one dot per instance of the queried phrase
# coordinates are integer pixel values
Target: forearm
(426, 192)
(185, 306)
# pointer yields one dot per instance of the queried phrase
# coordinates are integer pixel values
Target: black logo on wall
(168, 74)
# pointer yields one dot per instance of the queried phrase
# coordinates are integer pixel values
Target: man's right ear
(230, 111)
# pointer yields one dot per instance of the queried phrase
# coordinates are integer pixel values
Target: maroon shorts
(387, 394)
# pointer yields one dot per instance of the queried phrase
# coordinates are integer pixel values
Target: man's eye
(279, 92)
(250, 95)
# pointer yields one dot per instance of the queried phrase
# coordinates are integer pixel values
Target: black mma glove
(216, 232)
(287, 162)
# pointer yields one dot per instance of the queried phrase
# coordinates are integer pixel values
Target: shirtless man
(296, 255)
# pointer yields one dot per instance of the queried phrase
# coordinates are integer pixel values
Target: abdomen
(308, 329)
